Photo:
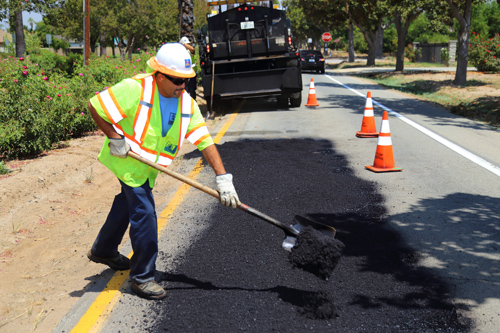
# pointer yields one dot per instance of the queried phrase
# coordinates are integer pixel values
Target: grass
(3, 169)
(386, 63)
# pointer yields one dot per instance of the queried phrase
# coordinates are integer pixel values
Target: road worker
(191, 85)
(150, 115)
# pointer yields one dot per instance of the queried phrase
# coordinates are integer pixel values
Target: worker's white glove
(227, 193)
(118, 147)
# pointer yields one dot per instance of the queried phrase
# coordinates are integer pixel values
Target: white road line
(456, 148)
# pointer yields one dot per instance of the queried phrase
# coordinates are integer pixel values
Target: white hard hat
(184, 40)
(173, 59)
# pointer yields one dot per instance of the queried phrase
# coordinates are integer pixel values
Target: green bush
(360, 44)
(411, 53)
(484, 53)
(445, 56)
(44, 98)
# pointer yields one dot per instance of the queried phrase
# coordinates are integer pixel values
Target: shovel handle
(214, 193)
(176, 175)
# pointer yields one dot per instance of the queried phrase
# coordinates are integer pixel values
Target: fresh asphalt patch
(238, 277)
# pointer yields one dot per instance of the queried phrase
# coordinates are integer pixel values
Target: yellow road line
(99, 310)
(225, 127)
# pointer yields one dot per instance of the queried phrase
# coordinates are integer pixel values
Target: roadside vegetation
(43, 97)
(477, 99)
(462, 101)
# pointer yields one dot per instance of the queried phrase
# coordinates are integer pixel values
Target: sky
(37, 17)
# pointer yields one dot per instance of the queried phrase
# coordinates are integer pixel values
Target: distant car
(312, 60)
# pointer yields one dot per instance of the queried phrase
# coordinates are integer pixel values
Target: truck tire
(282, 101)
(295, 101)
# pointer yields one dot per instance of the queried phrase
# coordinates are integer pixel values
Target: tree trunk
(380, 42)
(371, 40)
(350, 43)
(402, 30)
(102, 45)
(463, 40)
(463, 56)
(20, 42)
(400, 53)
(186, 19)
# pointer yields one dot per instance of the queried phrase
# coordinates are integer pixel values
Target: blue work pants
(135, 205)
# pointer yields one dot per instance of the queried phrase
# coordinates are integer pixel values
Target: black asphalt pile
(316, 253)
(237, 277)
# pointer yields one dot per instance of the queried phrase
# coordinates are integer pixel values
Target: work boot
(118, 262)
(148, 290)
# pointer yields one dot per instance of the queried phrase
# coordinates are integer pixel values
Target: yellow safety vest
(140, 122)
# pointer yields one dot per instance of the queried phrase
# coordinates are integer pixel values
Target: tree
(321, 15)
(186, 19)
(405, 12)
(16, 22)
(200, 13)
(367, 15)
(31, 21)
(132, 23)
(379, 54)
(13, 10)
(461, 10)
(492, 15)
(302, 27)
(43, 29)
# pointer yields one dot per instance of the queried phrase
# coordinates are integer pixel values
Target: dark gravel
(238, 278)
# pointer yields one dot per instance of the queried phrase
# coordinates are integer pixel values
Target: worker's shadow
(312, 304)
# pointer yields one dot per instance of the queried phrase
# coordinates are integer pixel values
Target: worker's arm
(106, 127)
(212, 156)
(117, 145)
(189, 47)
(225, 187)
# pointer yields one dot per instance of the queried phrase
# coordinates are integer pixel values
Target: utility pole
(86, 32)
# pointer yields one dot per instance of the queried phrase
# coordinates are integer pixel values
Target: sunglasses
(176, 80)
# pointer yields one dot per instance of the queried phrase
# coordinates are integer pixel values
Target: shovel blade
(300, 224)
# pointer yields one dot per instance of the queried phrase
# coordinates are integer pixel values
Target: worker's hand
(227, 193)
(118, 147)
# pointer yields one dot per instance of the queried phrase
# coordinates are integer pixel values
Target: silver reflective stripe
(149, 105)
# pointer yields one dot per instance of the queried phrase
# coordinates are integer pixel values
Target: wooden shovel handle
(176, 175)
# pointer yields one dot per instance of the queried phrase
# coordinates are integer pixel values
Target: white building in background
(3, 36)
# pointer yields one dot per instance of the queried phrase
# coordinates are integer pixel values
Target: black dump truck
(247, 51)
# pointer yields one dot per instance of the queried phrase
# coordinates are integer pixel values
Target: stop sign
(326, 37)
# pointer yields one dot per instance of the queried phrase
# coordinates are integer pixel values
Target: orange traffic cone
(311, 99)
(368, 129)
(384, 157)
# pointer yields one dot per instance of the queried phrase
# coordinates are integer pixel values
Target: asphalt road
(440, 214)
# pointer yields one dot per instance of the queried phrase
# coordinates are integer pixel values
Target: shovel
(291, 231)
